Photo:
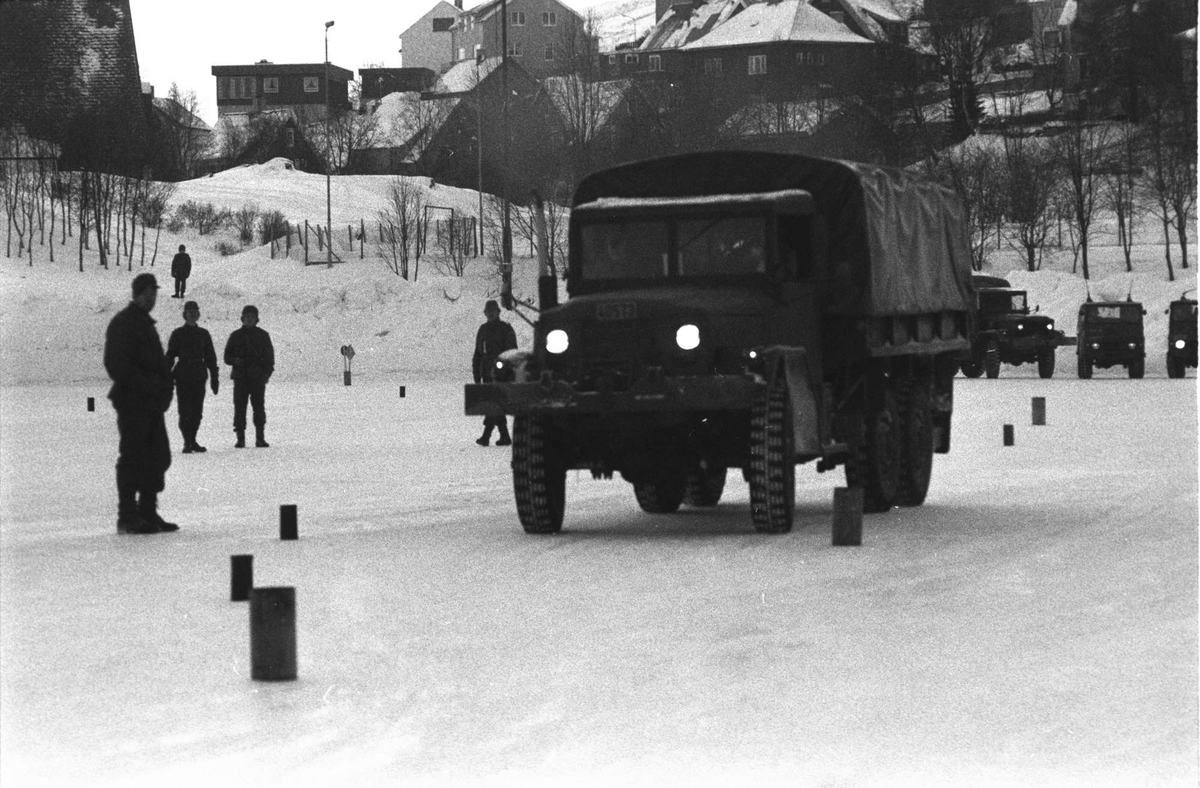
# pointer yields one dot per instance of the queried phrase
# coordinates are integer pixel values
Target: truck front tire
(991, 359)
(661, 496)
(704, 486)
(1175, 367)
(1045, 362)
(772, 475)
(1085, 366)
(539, 480)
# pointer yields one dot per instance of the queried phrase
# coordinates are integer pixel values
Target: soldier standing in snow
(190, 352)
(493, 338)
(181, 269)
(141, 393)
(250, 352)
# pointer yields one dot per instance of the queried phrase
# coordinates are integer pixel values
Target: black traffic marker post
(91, 404)
(1008, 435)
(1039, 411)
(287, 522)
(847, 516)
(402, 392)
(273, 633)
(348, 353)
(241, 577)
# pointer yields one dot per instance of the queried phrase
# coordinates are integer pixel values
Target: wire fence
(309, 242)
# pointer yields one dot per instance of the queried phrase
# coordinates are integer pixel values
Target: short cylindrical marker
(273, 633)
(91, 404)
(847, 516)
(402, 392)
(1008, 435)
(346, 377)
(287, 522)
(241, 577)
(1039, 411)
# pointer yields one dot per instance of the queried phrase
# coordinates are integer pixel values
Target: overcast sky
(183, 47)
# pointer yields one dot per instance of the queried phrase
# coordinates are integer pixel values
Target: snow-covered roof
(684, 24)
(463, 76)
(787, 20)
(1069, 12)
(180, 113)
(566, 93)
(880, 9)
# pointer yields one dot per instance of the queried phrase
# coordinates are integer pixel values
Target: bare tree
(1119, 188)
(183, 132)
(400, 224)
(1081, 149)
(962, 36)
(975, 172)
(1030, 180)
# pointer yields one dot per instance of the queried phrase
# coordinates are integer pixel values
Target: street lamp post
(328, 162)
(506, 226)
(479, 141)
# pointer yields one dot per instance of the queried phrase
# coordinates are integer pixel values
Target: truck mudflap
(675, 394)
(794, 364)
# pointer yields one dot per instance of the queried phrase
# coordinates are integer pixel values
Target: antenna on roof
(1088, 289)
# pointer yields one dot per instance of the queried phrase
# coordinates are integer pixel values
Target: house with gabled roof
(542, 35)
(429, 41)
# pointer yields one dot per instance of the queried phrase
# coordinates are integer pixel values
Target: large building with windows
(264, 86)
(544, 36)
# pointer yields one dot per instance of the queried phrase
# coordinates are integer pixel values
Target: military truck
(1009, 333)
(1111, 334)
(1181, 336)
(744, 311)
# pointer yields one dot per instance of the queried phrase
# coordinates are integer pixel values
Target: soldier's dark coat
(141, 393)
(181, 266)
(250, 352)
(492, 339)
(190, 351)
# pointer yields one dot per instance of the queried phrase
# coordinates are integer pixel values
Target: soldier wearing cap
(493, 338)
(193, 360)
(141, 393)
(250, 352)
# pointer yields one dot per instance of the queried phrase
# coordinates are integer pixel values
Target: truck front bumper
(673, 395)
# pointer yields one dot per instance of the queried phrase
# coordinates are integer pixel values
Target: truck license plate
(624, 310)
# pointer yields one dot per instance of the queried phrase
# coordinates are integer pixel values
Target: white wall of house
(421, 47)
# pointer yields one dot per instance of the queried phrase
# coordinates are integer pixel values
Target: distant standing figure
(250, 352)
(141, 393)
(493, 338)
(181, 269)
(193, 361)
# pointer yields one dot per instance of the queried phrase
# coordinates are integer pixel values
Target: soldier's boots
(259, 440)
(505, 438)
(148, 509)
(129, 521)
(241, 439)
(196, 447)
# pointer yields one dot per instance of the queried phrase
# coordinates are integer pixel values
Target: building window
(549, 52)
(631, 59)
(1050, 40)
(656, 63)
(290, 136)
(549, 19)
(462, 53)
(514, 49)
(312, 84)
(270, 84)
(758, 64)
(612, 60)
(517, 18)
(820, 58)
(237, 88)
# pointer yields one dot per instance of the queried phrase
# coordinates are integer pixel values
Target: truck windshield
(1002, 300)
(685, 247)
(1183, 311)
(1114, 312)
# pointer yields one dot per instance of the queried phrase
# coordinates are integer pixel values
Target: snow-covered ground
(1034, 624)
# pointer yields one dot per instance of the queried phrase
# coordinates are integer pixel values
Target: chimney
(458, 4)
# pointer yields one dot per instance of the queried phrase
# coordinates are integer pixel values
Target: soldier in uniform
(141, 393)
(250, 352)
(493, 338)
(193, 360)
(181, 269)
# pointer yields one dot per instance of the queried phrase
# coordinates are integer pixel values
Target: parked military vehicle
(1181, 336)
(1007, 332)
(742, 310)
(1111, 334)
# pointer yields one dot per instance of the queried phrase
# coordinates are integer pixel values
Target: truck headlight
(1050, 325)
(557, 341)
(688, 337)
(1132, 345)
(1020, 326)
(1180, 344)
(1095, 346)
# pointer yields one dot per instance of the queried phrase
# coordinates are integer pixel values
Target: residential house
(429, 42)
(179, 137)
(265, 86)
(69, 75)
(545, 36)
(255, 138)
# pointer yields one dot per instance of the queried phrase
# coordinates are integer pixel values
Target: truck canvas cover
(896, 243)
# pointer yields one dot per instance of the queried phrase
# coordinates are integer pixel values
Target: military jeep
(1181, 337)
(1009, 333)
(1111, 334)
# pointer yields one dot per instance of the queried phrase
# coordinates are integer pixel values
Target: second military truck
(743, 311)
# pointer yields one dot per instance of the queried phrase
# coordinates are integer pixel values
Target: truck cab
(1009, 332)
(1111, 334)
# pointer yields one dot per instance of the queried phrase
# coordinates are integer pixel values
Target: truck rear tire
(1085, 366)
(916, 444)
(874, 465)
(661, 496)
(972, 368)
(991, 359)
(539, 479)
(704, 486)
(1046, 358)
(1137, 369)
(1175, 368)
(772, 475)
